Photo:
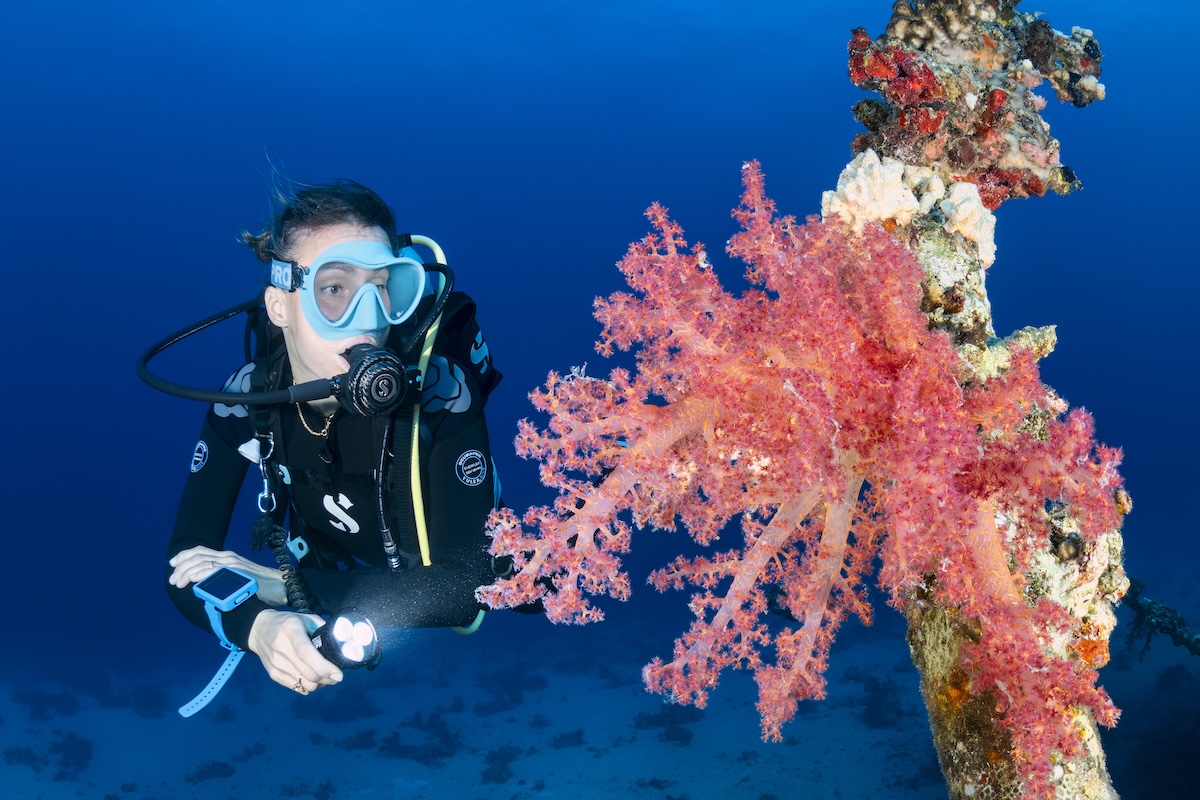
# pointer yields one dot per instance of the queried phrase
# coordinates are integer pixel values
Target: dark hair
(299, 210)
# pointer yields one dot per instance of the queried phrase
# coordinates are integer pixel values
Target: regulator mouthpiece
(377, 383)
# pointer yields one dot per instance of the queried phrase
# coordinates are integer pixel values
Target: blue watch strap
(218, 626)
(214, 686)
(226, 597)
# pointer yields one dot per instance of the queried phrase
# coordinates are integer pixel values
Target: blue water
(527, 138)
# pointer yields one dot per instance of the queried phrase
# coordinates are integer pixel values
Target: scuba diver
(362, 409)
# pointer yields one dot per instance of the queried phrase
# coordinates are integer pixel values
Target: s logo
(337, 509)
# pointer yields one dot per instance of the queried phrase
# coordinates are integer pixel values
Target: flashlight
(349, 641)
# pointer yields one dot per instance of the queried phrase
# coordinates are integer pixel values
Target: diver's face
(312, 356)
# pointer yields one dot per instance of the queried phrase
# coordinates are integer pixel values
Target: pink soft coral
(820, 408)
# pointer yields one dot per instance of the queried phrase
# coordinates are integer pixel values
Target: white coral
(869, 189)
(967, 215)
(926, 185)
(873, 189)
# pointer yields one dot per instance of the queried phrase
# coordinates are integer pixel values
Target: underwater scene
(829, 350)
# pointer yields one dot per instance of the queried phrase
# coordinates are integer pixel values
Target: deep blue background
(527, 138)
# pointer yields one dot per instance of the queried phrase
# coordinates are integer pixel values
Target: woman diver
(388, 483)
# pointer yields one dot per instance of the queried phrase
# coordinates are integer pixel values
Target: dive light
(348, 641)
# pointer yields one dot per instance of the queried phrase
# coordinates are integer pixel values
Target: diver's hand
(281, 640)
(197, 563)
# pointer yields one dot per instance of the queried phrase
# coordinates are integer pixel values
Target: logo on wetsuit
(200, 456)
(471, 468)
(337, 509)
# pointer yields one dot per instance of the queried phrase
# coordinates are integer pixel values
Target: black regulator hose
(313, 390)
(376, 384)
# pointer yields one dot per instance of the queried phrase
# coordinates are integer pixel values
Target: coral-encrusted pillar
(1085, 579)
(957, 131)
(974, 752)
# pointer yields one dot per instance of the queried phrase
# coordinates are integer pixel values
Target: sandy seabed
(524, 709)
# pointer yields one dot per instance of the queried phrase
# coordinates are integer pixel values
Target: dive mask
(354, 288)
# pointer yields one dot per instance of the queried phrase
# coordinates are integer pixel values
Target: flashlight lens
(342, 629)
(349, 640)
(363, 633)
(355, 638)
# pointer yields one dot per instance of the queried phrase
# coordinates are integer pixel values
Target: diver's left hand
(197, 563)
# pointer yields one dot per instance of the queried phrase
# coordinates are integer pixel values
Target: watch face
(224, 583)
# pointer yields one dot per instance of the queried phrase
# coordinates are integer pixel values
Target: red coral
(820, 408)
(997, 185)
(957, 121)
(902, 76)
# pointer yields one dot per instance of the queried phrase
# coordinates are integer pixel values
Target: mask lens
(337, 287)
(360, 287)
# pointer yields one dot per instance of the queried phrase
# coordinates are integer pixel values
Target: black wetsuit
(333, 497)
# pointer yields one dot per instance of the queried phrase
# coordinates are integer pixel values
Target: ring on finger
(299, 686)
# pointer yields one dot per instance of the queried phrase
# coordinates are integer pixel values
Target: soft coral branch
(821, 408)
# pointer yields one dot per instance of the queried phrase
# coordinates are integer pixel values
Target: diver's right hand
(281, 640)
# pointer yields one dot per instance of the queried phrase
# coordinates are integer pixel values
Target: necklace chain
(324, 432)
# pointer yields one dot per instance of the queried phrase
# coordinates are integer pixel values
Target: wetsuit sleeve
(459, 489)
(203, 518)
